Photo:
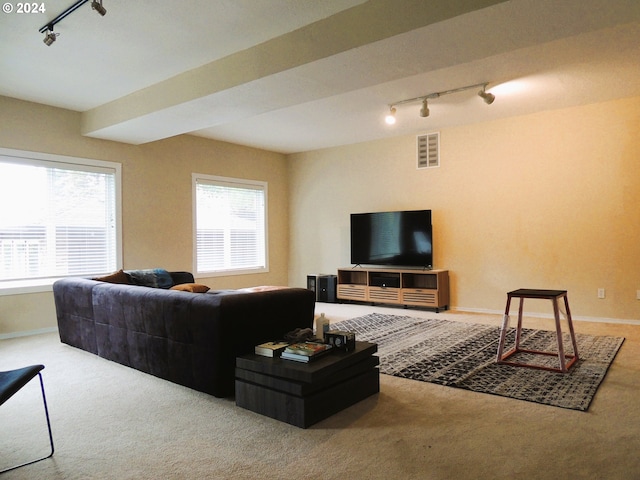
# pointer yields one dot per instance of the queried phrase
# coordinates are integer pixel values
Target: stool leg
(503, 331)
(556, 314)
(519, 328)
(571, 332)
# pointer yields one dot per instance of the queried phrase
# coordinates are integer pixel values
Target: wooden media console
(420, 288)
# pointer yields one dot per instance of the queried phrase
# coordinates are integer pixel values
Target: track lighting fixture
(487, 97)
(47, 29)
(391, 116)
(424, 111)
(97, 6)
(49, 37)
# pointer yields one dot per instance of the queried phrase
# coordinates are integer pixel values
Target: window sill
(20, 287)
(228, 273)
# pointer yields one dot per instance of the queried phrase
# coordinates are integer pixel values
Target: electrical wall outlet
(601, 293)
(638, 294)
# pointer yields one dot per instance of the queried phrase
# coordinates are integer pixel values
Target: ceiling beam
(362, 25)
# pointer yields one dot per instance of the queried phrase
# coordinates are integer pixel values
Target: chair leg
(46, 413)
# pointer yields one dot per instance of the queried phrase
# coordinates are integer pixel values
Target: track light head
(487, 97)
(391, 116)
(47, 28)
(49, 37)
(97, 6)
(424, 111)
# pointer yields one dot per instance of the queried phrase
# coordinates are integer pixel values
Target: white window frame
(37, 158)
(231, 182)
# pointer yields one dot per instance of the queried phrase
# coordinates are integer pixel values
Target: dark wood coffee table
(302, 394)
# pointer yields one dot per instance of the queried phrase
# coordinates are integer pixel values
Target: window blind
(57, 219)
(230, 225)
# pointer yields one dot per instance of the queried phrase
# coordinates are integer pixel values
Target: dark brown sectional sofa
(188, 338)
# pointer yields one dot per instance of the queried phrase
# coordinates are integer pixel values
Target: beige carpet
(112, 422)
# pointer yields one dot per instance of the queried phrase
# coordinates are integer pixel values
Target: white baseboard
(549, 315)
(623, 321)
(27, 333)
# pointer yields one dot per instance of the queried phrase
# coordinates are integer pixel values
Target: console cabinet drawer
(352, 292)
(419, 296)
(381, 294)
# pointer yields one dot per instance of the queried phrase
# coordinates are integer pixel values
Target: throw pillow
(154, 277)
(191, 287)
(117, 277)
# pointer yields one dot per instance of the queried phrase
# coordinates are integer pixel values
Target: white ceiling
(298, 75)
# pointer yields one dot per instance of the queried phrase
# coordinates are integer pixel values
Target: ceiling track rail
(63, 15)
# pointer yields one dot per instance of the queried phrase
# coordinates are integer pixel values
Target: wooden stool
(552, 295)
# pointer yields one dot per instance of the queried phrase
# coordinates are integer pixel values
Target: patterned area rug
(463, 355)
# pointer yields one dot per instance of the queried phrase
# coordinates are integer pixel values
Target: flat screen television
(402, 238)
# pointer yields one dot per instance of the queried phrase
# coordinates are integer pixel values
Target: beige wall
(550, 200)
(157, 198)
(543, 201)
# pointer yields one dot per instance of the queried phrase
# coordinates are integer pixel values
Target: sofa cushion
(152, 277)
(191, 287)
(116, 277)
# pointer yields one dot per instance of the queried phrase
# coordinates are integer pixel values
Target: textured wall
(549, 200)
(156, 197)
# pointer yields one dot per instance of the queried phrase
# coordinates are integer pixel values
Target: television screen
(392, 238)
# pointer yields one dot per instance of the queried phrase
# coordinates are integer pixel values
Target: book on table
(270, 349)
(305, 351)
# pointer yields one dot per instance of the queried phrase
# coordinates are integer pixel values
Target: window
(59, 217)
(230, 225)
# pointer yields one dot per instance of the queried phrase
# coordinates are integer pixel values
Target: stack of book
(271, 349)
(306, 351)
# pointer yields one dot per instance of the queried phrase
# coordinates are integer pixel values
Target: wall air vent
(429, 150)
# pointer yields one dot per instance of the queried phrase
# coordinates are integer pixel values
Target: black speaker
(326, 288)
(312, 284)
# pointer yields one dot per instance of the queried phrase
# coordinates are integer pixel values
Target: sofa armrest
(73, 299)
(249, 319)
